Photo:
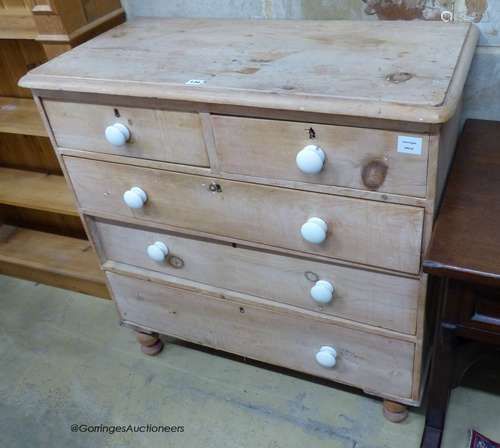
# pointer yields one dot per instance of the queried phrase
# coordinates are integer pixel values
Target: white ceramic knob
(157, 251)
(311, 159)
(314, 230)
(327, 357)
(322, 292)
(135, 197)
(117, 134)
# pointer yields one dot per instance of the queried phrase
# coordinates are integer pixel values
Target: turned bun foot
(151, 344)
(395, 412)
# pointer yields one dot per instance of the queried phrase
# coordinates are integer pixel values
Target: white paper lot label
(195, 82)
(410, 145)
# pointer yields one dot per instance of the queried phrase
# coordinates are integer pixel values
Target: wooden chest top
(409, 71)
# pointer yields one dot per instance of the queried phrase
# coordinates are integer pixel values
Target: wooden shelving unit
(48, 258)
(41, 235)
(36, 191)
(20, 116)
(16, 21)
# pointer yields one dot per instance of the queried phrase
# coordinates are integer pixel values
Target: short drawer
(369, 361)
(368, 159)
(167, 136)
(368, 232)
(382, 300)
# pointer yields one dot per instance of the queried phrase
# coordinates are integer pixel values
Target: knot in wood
(373, 174)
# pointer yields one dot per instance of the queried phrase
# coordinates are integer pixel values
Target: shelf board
(51, 259)
(20, 116)
(37, 191)
(17, 23)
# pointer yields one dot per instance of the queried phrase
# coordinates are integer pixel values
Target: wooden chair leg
(151, 344)
(395, 412)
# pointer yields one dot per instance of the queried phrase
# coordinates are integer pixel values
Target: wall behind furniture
(482, 93)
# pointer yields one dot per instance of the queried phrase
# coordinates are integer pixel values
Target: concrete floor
(64, 360)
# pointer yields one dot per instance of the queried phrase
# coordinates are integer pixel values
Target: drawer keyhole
(215, 187)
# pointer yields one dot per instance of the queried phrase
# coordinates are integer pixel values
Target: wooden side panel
(155, 134)
(447, 141)
(377, 299)
(30, 199)
(94, 9)
(16, 21)
(365, 360)
(368, 232)
(28, 152)
(355, 157)
(61, 224)
(16, 58)
(38, 191)
(71, 14)
(15, 5)
(20, 116)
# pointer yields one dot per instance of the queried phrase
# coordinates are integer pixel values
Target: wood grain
(361, 231)
(190, 169)
(16, 58)
(28, 152)
(20, 116)
(238, 242)
(465, 241)
(16, 21)
(364, 360)
(267, 149)
(38, 191)
(170, 136)
(60, 224)
(373, 298)
(53, 259)
(32, 191)
(313, 66)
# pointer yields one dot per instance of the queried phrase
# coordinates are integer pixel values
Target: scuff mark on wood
(248, 70)
(399, 77)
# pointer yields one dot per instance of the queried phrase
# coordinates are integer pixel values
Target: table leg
(440, 384)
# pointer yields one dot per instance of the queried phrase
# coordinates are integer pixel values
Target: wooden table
(464, 260)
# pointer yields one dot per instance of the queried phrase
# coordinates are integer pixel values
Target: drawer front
(378, 299)
(355, 158)
(369, 361)
(167, 136)
(368, 232)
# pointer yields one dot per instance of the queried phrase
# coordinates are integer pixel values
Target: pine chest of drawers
(266, 188)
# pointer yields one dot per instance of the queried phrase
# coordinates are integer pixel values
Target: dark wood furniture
(464, 262)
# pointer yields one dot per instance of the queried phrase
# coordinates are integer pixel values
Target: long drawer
(369, 361)
(368, 232)
(377, 299)
(168, 136)
(368, 159)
